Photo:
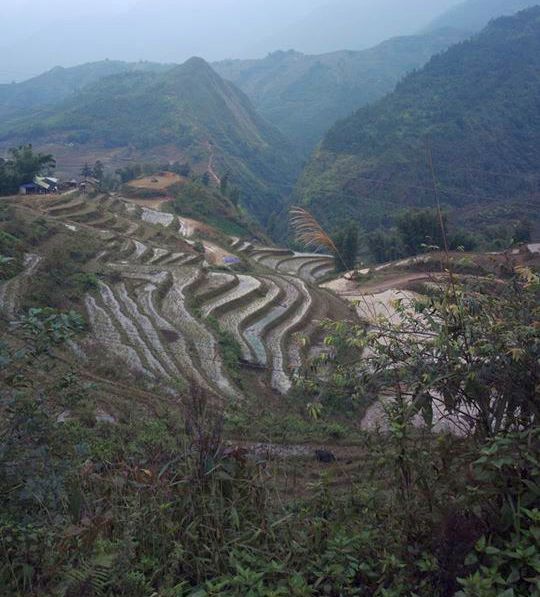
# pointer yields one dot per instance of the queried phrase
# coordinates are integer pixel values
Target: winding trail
(211, 170)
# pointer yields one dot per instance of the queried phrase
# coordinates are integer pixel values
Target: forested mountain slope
(187, 113)
(478, 108)
(59, 83)
(304, 95)
(474, 15)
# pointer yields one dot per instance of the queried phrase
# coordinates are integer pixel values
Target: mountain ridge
(171, 31)
(58, 83)
(474, 15)
(304, 95)
(190, 109)
(374, 163)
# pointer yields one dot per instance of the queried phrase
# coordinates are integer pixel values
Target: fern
(90, 578)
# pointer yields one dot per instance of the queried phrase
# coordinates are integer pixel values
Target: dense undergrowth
(162, 505)
(213, 206)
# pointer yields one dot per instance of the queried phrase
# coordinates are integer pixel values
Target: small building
(68, 185)
(89, 185)
(41, 185)
(29, 188)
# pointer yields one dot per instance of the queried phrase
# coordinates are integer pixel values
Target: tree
(471, 355)
(224, 183)
(462, 240)
(523, 231)
(22, 167)
(420, 228)
(234, 196)
(385, 246)
(98, 170)
(350, 246)
(86, 171)
(181, 169)
(205, 179)
(129, 172)
(5, 177)
(347, 245)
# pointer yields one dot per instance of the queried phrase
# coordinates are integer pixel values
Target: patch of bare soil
(353, 289)
(190, 227)
(157, 182)
(215, 254)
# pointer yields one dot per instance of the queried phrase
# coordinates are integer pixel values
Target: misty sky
(40, 34)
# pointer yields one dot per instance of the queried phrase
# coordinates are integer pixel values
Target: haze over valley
(175, 30)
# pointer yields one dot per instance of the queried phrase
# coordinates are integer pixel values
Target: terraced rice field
(153, 315)
(311, 267)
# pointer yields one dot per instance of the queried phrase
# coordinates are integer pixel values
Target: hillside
(303, 95)
(474, 15)
(485, 147)
(167, 421)
(58, 84)
(167, 293)
(187, 113)
(228, 369)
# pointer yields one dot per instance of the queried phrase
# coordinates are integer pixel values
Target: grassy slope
(478, 105)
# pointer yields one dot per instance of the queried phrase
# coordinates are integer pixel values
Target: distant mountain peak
(304, 95)
(173, 114)
(196, 62)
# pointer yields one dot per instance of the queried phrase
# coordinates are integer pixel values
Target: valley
(190, 115)
(270, 326)
(377, 162)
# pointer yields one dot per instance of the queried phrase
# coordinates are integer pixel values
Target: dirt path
(211, 170)
(277, 451)
(378, 298)
(350, 288)
(215, 254)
